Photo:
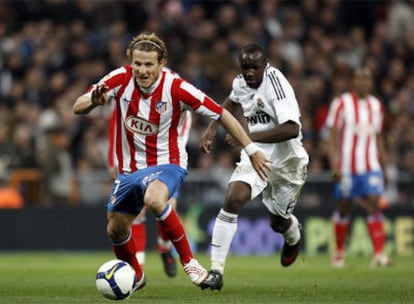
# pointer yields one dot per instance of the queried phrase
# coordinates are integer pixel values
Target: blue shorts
(127, 195)
(176, 194)
(353, 186)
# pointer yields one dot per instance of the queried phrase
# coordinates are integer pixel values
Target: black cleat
(289, 254)
(168, 261)
(214, 281)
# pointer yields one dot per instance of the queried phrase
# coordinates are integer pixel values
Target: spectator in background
(10, 198)
(92, 179)
(24, 150)
(357, 158)
(6, 149)
(55, 164)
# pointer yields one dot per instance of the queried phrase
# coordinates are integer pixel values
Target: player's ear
(163, 62)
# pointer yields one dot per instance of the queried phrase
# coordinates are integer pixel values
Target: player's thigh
(371, 204)
(170, 175)
(156, 196)
(372, 187)
(126, 195)
(238, 195)
(245, 173)
(119, 225)
(371, 184)
(344, 206)
(281, 196)
(345, 188)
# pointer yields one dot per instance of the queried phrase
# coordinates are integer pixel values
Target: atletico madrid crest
(161, 106)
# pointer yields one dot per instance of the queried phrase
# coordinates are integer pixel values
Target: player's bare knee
(156, 196)
(233, 204)
(154, 205)
(236, 199)
(345, 208)
(116, 234)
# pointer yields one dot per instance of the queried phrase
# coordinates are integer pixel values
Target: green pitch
(63, 277)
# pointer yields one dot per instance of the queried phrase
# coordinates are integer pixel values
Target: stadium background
(50, 51)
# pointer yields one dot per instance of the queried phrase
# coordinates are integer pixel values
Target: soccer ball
(116, 279)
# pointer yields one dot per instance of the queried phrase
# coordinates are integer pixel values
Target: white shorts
(280, 192)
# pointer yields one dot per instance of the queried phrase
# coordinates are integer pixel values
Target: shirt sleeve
(113, 80)
(334, 114)
(284, 100)
(235, 91)
(199, 101)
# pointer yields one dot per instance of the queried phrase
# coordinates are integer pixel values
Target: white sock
(140, 255)
(163, 243)
(292, 235)
(223, 232)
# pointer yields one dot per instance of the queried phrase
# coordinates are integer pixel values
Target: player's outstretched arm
(259, 161)
(332, 144)
(206, 140)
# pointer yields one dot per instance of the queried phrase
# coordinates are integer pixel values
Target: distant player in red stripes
(356, 155)
(152, 158)
(139, 232)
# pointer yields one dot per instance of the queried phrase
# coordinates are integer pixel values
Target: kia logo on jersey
(140, 126)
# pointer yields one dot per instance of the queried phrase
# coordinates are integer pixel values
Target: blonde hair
(148, 43)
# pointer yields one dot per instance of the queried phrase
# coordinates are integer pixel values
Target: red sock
(164, 244)
(376, 231)
(126, 251)
(341, 226)
(171, 226)
(139, 234)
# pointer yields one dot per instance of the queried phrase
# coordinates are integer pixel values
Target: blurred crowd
(52, 50)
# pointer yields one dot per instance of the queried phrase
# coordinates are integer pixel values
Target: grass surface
(65, 277)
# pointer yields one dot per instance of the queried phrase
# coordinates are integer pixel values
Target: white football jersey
(271, 104)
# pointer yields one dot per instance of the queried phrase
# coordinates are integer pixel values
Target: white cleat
(140, 284)
(338, 260)
(381, 260)
(195, 271)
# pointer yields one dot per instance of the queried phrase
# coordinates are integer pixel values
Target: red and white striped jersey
(359, 121)
(147, 126)
(183, 130)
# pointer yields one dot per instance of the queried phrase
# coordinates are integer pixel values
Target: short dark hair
(253, 49)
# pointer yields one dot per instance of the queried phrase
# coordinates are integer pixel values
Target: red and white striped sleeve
(334, 113)
(199, 101)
